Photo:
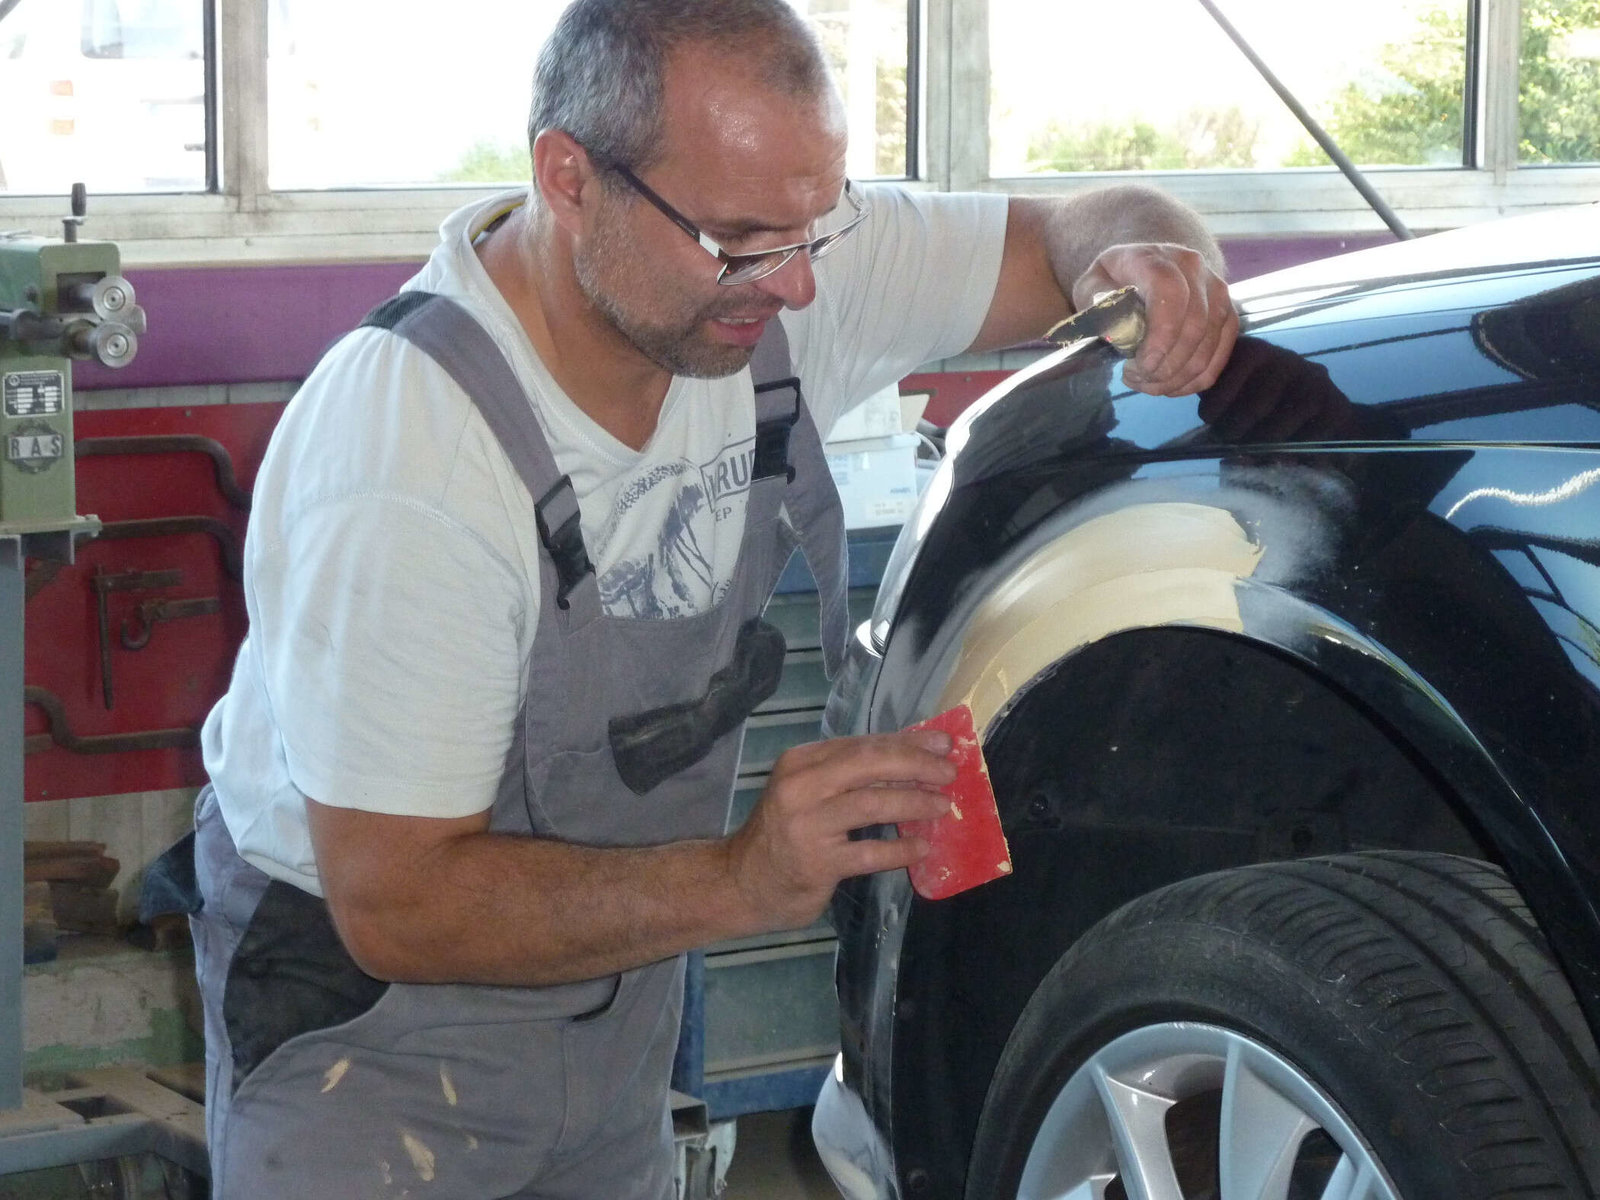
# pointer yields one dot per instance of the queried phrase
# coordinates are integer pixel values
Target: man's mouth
(743, 330)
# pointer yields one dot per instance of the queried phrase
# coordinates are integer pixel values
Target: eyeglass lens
(744, 268)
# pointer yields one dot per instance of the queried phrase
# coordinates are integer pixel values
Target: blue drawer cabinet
(760, 1026)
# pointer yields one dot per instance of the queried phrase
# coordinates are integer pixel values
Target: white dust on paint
(421, 1156)
(335, 1074)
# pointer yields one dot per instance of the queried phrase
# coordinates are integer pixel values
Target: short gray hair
(600, 74)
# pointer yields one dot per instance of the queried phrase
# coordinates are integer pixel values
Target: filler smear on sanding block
(968, 847)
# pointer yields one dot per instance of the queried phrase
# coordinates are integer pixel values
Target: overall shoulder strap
(770, 361)
(449, 335)
(788, 442)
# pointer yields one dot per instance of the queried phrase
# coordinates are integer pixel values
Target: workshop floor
(773, 1159)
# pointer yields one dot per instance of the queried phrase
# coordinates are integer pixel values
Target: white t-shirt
(392, 567)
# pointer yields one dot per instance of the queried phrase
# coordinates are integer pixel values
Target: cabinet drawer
(769, 1006)
(768, 735)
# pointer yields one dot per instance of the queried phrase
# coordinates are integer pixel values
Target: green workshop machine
(61, 301)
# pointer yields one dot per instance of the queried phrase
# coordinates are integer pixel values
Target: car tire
(1379, 1026)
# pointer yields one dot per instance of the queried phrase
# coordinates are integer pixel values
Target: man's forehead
(722, 114)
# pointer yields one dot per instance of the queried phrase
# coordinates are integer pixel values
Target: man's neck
(615, 386)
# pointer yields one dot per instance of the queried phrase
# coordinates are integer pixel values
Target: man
(506, 774)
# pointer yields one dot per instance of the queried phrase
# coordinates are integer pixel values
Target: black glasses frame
(747, 268)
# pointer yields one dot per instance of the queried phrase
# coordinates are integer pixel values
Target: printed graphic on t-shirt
(682, 574)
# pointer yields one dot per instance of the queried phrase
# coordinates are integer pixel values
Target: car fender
(1247, 550)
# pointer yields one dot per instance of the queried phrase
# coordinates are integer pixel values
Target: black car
(1290, 695)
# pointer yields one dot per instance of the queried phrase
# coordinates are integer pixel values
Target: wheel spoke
(1355, 1181)
(1138, 1120)
(1108, 1127)
(1260, 1134)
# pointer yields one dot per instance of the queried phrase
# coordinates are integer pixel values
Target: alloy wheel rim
(1179, 1109)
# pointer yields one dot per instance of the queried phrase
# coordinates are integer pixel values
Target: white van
(110, 93)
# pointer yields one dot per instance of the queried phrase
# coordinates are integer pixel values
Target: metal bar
(967, 94)
(1472, 89)
(914, 155)
(688, 1066)
(1329, 146)
(770, 1091)
(212, 105)
(227, 541)
(61, 732)
(1499, 56)
(70, 1144)
(11, 888)
(174, 443)
(242, 65)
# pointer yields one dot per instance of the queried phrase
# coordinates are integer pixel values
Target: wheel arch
(1264, 681)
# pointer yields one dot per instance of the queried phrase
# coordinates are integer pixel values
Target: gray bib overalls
(324, 1082)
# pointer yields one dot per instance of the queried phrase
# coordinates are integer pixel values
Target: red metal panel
(952, 391)
(173, 680)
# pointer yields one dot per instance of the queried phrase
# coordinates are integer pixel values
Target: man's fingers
(1204, 366)
(1191, 322)
(870, 856)
(1177, 323)
(843, 765)
(887, 805)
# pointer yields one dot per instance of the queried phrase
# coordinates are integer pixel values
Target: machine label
(34, 393)
(35, 447)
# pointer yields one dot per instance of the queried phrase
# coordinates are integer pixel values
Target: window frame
(245, 221)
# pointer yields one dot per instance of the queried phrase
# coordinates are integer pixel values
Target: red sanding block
(968, 845)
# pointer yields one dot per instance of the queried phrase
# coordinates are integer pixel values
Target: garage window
(344, 129)
(110, 92)
(1388, 78)
(429, 102)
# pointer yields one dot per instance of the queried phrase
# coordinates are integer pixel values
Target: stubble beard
(676, 345)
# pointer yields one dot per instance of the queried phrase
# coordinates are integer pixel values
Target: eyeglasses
(746, 268)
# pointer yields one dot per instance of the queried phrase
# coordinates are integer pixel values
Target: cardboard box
(877, 478)
(877, 416)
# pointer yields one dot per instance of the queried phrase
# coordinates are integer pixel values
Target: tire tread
(1435, 968)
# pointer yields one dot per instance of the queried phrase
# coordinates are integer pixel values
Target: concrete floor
(773, 1159)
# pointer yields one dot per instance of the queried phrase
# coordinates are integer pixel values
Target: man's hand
(1067, 250)
(433, 900)
(796, 845)
(1192, 322)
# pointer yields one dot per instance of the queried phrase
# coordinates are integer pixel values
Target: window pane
(1082, 86)
(109, 93)
(369, 94)
(865, 41)
(426, 101)
(1559, 105)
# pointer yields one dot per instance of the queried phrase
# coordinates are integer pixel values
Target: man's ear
(563, 172)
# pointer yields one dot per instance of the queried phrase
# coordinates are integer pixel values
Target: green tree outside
(1409, 110)
(1559, 101)
(491, 162)
(1201, 138)
(1418, 118)
(1406, 111)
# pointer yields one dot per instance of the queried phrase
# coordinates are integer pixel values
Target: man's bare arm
(428, 900)
(1061, 252)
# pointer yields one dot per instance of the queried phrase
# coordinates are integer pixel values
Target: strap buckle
(772, 433)
(556, 514)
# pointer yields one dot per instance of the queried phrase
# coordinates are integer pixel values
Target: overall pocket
(290, 975)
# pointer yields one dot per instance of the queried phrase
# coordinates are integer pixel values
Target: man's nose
(793, 283)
